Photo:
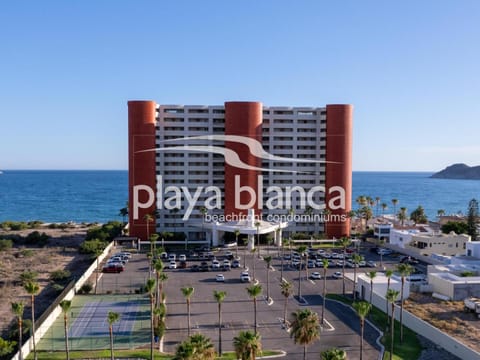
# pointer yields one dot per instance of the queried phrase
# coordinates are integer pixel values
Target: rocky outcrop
(458, 171)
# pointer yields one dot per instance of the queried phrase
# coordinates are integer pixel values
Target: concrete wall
(43, 328)
(430, 332)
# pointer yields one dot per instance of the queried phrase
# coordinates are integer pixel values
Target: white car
(182, 257)
(172, 265)
(220, 278)
(172, 257)
(337, 275)
(215, 264)
(371, 264)
(315, 275)
(245, 277)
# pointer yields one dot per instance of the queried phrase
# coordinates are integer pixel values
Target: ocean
(97, 196)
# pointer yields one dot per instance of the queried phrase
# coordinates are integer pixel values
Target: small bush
(35, 238)
(467, 273)
(58, 288)
(60, 275)
(27, 252)
(86, 288)
(92, 247)
(5, 244)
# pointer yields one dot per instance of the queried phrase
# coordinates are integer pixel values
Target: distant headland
(459, 171)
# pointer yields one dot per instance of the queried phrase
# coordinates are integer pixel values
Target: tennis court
(88, 325)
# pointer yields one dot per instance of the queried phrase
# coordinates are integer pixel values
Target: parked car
(172, 265)
(204, 266)
(195, 268)
(182, 257)
(172, 257)
(315, 275)
(113, 268)
(215, 264)
(311, 263)
(164, 256)
(371, 263)
(235, 263)
(245, 277)
(183, 265)
(220, 278)
(337, 275)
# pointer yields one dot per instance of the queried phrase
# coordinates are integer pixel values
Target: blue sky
(410, 68)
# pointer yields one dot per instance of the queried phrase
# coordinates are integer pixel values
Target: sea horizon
(90, 195)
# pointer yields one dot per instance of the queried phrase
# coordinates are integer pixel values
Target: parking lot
(237, 309)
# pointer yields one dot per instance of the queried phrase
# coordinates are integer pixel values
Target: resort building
(197, 168)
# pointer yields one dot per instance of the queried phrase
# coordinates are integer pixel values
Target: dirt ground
(61, 252)
(448, 316)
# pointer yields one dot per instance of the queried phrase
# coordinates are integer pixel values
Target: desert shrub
(35, 238)
(5, 244)
(6, 347)
(60, 275)
(467, 273)
(27, 252)
(14, 225)
(106, 232)
(28, 275)
(58, 288)
(91, 247)
(86, 288)
(34, 224)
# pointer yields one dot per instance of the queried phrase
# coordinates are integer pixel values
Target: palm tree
(112, 318)
(153, 240)
(196, 347)
(159, 313)
(253, 292)
(333, 354)
(158, 267)
(304, 328)
(123, 213)
(219, 297)
(384, 207)
(440, 213)
(287, 291)
(247, 345)
(388, 275)
(402, 215)
(394, 203)
(404, 270)
(356, 258)
(237, 233)
(187, 293)
(162, 278)
(268, 260)
(301, 250)
(150, 287)
(377, 201)
(257, 225)
(32, 289)
(17, 310)
(371, 275)
(362, 308)
(285, 242)
(391, 297)
(344, 242)
(148, 218)
(324, 293)
(66, 305)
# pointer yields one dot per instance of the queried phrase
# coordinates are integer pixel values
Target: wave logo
(231, 157)
(172, 197)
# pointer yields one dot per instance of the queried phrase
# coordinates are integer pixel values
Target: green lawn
(140, 353)
(409, 350)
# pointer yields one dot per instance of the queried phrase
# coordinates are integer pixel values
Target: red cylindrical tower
(141, 167)
(242, 119)
(339, 167)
